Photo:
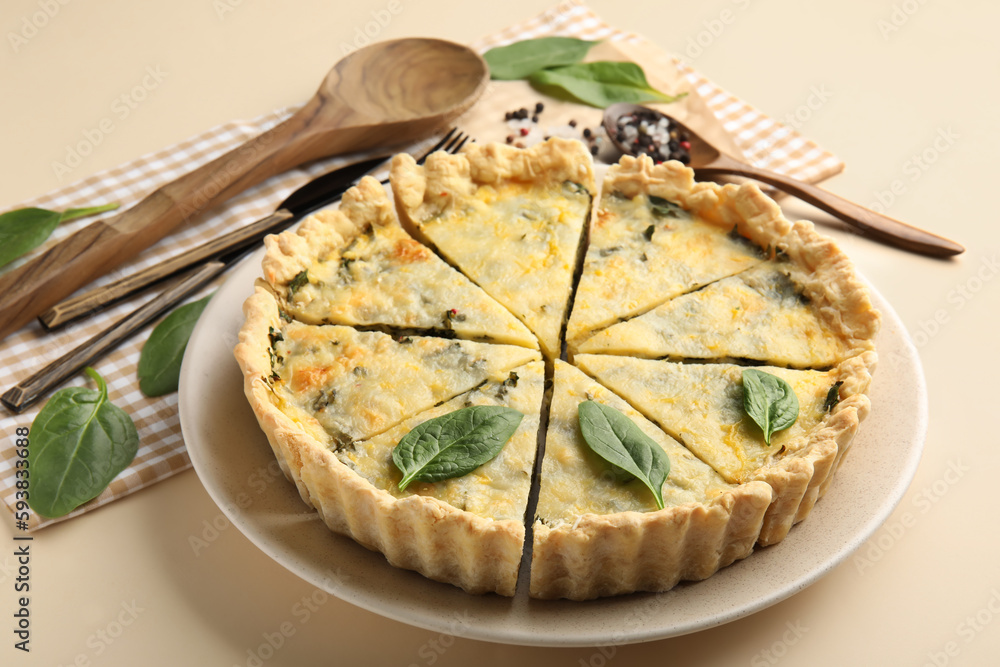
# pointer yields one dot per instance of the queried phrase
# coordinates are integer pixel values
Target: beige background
(882, 84)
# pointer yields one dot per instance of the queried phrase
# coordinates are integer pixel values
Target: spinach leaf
(664, 208)
(518, 60)
(832, 396)
(160, 360)
(79, 443)
(300, 280)
(616, 439)
(454, 444)
(24, 229)
(600, 84)
(769, 401)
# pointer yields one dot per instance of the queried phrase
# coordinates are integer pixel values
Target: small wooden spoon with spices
(708, 160)
(388, 93)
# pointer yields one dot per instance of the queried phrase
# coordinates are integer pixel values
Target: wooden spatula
(390, 92)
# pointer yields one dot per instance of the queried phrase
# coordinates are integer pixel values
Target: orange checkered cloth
(764, 141)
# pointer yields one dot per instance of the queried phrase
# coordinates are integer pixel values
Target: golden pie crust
(598, 554)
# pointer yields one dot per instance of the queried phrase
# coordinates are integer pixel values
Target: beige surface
(909, 109)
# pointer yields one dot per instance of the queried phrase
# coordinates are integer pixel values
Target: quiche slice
(646, 246)
(761, 314)
(357, 266)
(417, 530)
(596, 535)
(343, 385)
(496, 492)
(510, 219)
(702, 406)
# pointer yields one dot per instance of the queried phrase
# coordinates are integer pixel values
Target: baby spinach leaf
(79, 443)
(160, 360)
(24, 229)
(600, 84)
(769, 401)
(300, 280)
(454, 444)
(664, 208)
(518, 60)
(616, 439)
(832, 396)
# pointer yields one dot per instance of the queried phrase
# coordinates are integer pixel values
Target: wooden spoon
(387, 93)
(707, 160)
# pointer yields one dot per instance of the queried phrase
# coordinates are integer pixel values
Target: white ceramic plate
(235, 463)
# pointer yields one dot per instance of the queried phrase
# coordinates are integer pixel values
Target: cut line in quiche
(357, 266)
(648, 225)
(335, 399)
(510, 219)
(580, 537)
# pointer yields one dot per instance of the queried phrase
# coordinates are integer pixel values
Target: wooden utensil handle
(25, 393)
(96, 299)
(96, 249)
(871, 224)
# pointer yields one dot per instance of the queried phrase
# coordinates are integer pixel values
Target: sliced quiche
(357, 266)
(702, 405)
(510, 219)
(579, 537)
(371, 321)
(643, 228)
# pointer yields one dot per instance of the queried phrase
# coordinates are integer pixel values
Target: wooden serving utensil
(398, 90)
(708, 160)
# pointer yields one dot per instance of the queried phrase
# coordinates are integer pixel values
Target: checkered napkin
(161, 450)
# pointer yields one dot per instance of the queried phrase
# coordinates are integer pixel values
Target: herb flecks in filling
(300, 280)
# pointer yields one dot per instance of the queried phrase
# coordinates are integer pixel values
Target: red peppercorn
(524, 131)
(686, 145)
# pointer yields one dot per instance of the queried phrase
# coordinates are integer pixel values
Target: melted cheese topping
(641, 255)
(384, 277)
(702, 406)
(497, 489)
(355, 384)
(576, 481)
(759, 314)
(519, 243)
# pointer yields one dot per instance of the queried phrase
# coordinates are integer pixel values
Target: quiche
(485, 281)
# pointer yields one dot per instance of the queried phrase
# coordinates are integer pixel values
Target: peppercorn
(539, 107)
